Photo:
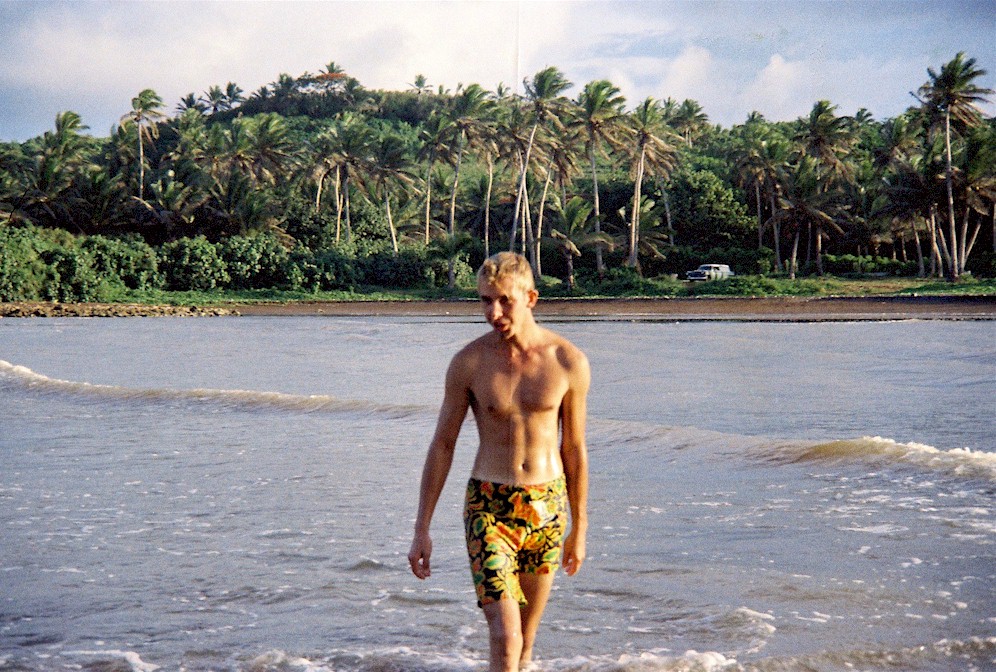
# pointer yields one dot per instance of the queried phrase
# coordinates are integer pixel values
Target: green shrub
(406, 270)
(130, 261)
(73, 276)
(625, 281)
(255, 262)
(192, 264)
(850, 264)
(753, 285)
(335, 269)
(438, 272)
(24, 275)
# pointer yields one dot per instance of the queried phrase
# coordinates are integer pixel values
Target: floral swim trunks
(512, 529)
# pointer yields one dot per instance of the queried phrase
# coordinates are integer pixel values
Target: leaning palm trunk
(634, 223)
(520, 194)
(945, 250)
(318, 191)
(777, 232)
(345, 200)
(963, 243)
(599, 264)
(141, 163)
(390, 221)
(667, 214)
(537, 256)
(819, 251)
(921, 270)
(971, 242)
(760, 227)
(453, 196)
(569, 259)
(428, 200)
(935, 254)
(487, 208)
(338, 205)
(527, 227)
(953, 257)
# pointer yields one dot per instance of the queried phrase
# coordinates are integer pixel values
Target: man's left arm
(574, 454)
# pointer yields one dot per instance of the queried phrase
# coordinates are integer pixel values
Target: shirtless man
(528, 389)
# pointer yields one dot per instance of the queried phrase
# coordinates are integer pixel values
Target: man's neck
(527, 337)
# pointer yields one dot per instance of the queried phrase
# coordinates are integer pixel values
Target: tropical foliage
(316, 182)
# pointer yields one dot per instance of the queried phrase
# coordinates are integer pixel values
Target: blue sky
(733, 56)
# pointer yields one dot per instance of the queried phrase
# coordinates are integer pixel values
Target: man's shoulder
(568, 354)
(472, 352)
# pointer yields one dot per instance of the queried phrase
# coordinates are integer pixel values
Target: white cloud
(782, 90)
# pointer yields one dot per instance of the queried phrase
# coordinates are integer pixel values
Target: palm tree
(951, 98)
(145, 115)
(600, 115)
(421, 85)
(807, 203)
(980, 184)
(688, 119)
(350, 140)
(828, 139)
(271, 150)
(650, 149)
(389, 162)
(214, 99)
(466, 115)
(39, 187)
(908, 197)
(434, 134)
(652, 237)
(545, 101)
(191, 102)
(748, 166)
(233, 95)
(575, 231)
(488, 148)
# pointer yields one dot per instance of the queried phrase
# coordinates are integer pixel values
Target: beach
(789, 309)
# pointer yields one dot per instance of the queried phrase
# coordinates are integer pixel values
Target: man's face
(505, 304)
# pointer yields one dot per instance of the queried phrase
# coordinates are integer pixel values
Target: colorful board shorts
(513, 529)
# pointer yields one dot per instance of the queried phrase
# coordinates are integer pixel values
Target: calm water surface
(238, 494)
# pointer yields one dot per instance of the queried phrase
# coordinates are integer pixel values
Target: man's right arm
(456, 401)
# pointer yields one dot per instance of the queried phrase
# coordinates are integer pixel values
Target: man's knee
(505, 628)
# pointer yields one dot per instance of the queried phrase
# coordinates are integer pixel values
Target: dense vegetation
(316, 184)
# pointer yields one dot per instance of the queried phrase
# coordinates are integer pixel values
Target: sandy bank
(51, 309)
(746, 309)
(808, 309)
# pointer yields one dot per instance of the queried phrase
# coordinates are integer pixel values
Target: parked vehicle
(710, 272)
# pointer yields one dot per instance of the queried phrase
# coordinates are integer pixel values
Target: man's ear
(532, 296)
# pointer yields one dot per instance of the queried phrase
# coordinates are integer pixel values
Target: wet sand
(787, 309)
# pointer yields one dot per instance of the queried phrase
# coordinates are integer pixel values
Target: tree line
(328, 183)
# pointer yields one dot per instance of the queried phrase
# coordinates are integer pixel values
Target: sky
(777, 57)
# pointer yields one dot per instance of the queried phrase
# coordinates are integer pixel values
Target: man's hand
(574, 553)
(418, 556)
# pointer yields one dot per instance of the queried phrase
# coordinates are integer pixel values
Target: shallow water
(238, 494)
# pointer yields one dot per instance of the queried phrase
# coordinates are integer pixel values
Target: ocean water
(238, 494)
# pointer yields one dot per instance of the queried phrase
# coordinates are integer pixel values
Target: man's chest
(519, 391)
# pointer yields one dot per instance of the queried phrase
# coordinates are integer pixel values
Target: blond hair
(507, 265)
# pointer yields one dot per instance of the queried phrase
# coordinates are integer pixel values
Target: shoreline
(789, 309)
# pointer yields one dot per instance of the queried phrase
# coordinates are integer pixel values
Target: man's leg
(505, 634)
(536, 588)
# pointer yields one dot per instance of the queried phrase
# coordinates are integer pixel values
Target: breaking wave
(14, 376)
(882, 452)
